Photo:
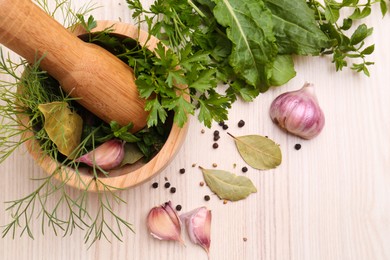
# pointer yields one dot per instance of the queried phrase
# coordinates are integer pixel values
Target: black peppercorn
(222, 123)
(173, 190)
(182, 170)
(167, 185)
(244, 169)
(216, 138)
(155, 185)
(297, 146)
(178, 207)
(216, 133)
(215, 145)
(241, 123)
(206, 197)
(225, 127)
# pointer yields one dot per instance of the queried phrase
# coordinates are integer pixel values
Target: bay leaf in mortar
(258, 151)
(132, 154)
(63, 126)
(228, 185)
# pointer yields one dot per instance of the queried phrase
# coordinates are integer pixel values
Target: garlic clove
(106, 156)
(298, 112)
(198, 223)
(164, 223)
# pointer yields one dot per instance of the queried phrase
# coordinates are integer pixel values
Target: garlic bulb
(164, 223)
(298, 112)
(106, 156)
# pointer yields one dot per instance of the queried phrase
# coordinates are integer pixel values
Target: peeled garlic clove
(106, 156)
(298, 112)
(164, 223)
(198, 223)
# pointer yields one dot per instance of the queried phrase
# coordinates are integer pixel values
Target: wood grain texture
(329, 200)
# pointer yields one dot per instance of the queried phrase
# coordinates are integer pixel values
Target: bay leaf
(132, 154)
(62, 125)
(258, 151)
(228, 185)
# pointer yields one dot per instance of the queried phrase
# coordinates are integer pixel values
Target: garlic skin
(298, 112)
(106, 156)
(198, 224)
(164, 223)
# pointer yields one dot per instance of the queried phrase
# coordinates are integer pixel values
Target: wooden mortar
(104, 84)
(126, 176)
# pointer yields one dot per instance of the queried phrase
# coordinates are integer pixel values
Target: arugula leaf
(250, 28)
(295, 28)
(283, 70)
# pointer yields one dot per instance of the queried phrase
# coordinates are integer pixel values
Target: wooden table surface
(329, 200)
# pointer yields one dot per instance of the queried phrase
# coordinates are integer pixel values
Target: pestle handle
(104, 84)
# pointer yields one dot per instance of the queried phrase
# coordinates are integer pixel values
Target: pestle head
(102, 83)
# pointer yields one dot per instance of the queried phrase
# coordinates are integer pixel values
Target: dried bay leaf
(132, 154)
(63, 126)
(258, 151)
(228, 185)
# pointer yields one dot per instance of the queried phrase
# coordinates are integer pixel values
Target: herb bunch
(245, 45)
(336, 26)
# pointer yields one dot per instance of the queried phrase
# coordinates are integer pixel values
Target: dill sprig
(68, 209)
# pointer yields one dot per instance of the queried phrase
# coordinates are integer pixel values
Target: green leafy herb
(245, 44)
(295, 28)
(337, 28)
(258, 151)
(89, 24)
(251, 33)
(228, 185)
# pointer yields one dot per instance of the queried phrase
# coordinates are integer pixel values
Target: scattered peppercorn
(202, 131)
(178, 207)
(244, 169)
(241, 123)
(216, 138)
(245, 239)
(173, 190)
(201, 184)
(215, 165)
(216, 133)
(222, 123)
(182, 170)
(225, 127)
(167, 185)
(206, 197)
(298, 146)
(215, 145)
(155, 185)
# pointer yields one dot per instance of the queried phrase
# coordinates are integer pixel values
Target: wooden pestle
(104, 84)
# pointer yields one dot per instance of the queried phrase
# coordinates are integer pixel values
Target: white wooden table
(329, 200)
